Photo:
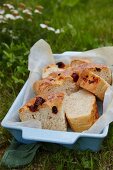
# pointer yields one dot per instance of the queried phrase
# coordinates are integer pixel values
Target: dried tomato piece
(97, 69)
(91, 81)
(75, 77)
(32, 108)
(54, 110)
(38, 101)
(60, 65)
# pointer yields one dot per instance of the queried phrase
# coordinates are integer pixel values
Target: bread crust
(93, 83)
(81, 122)
(99, 69)
(53, 68)
(78, 61)
(57, 82)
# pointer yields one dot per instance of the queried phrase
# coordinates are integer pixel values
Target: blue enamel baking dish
(69, 139)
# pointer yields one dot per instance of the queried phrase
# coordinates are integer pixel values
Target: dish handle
(51, 136)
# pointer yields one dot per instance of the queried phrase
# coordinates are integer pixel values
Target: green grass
(87, 25)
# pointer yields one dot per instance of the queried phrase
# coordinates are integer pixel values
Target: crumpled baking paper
(107, 116)
(29, 123)
(103, 55)
(41, 55)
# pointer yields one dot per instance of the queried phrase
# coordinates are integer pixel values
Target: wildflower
(57, 31)
(27, 11)
(43, 25)
(10, 31)
(4, 30)
(9, 6)
(51, 29)
(15, 12)
(37, 11)
(2, 11)
(9, 16)
(18, 17)
(14, 37)
(1, 19)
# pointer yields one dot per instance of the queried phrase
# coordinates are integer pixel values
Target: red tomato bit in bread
(60, 65)
(54, 109)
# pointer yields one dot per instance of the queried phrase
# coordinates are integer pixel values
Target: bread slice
(99, 69)
(48, 110)
(81, 110)
(60, 66)
(93, 83)
(78, 61)
(58, 82)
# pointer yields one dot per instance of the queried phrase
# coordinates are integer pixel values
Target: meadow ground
(75, 25)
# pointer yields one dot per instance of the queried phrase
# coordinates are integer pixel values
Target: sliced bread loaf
(58, 82)
(81, 110)
(60, 66)
(99, 69)
(93, 83)
(78, 61)
(47, 109)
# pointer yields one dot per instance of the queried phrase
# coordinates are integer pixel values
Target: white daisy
(14, 37)
(43, 25)
(37, 11)
(14, 11)
(9, 16)
(27, 11)
(19, 17)
(1, 19)
(57, 31)
(10, 31)
(2, 11)
(9, 6)
(51, 29)
(4, 30)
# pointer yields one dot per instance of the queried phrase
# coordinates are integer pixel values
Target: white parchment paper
(32, 123)
(40, 56)
(107, 116)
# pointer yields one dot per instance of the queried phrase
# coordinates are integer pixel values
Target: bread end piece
(81, 110)
(93, 83)
(55, 83)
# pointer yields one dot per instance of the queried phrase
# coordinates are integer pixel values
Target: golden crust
(52, 68)
(76, 62)
(50, 100)
(101, 70)
(93, 83)
(55, 80)
(84, 122)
